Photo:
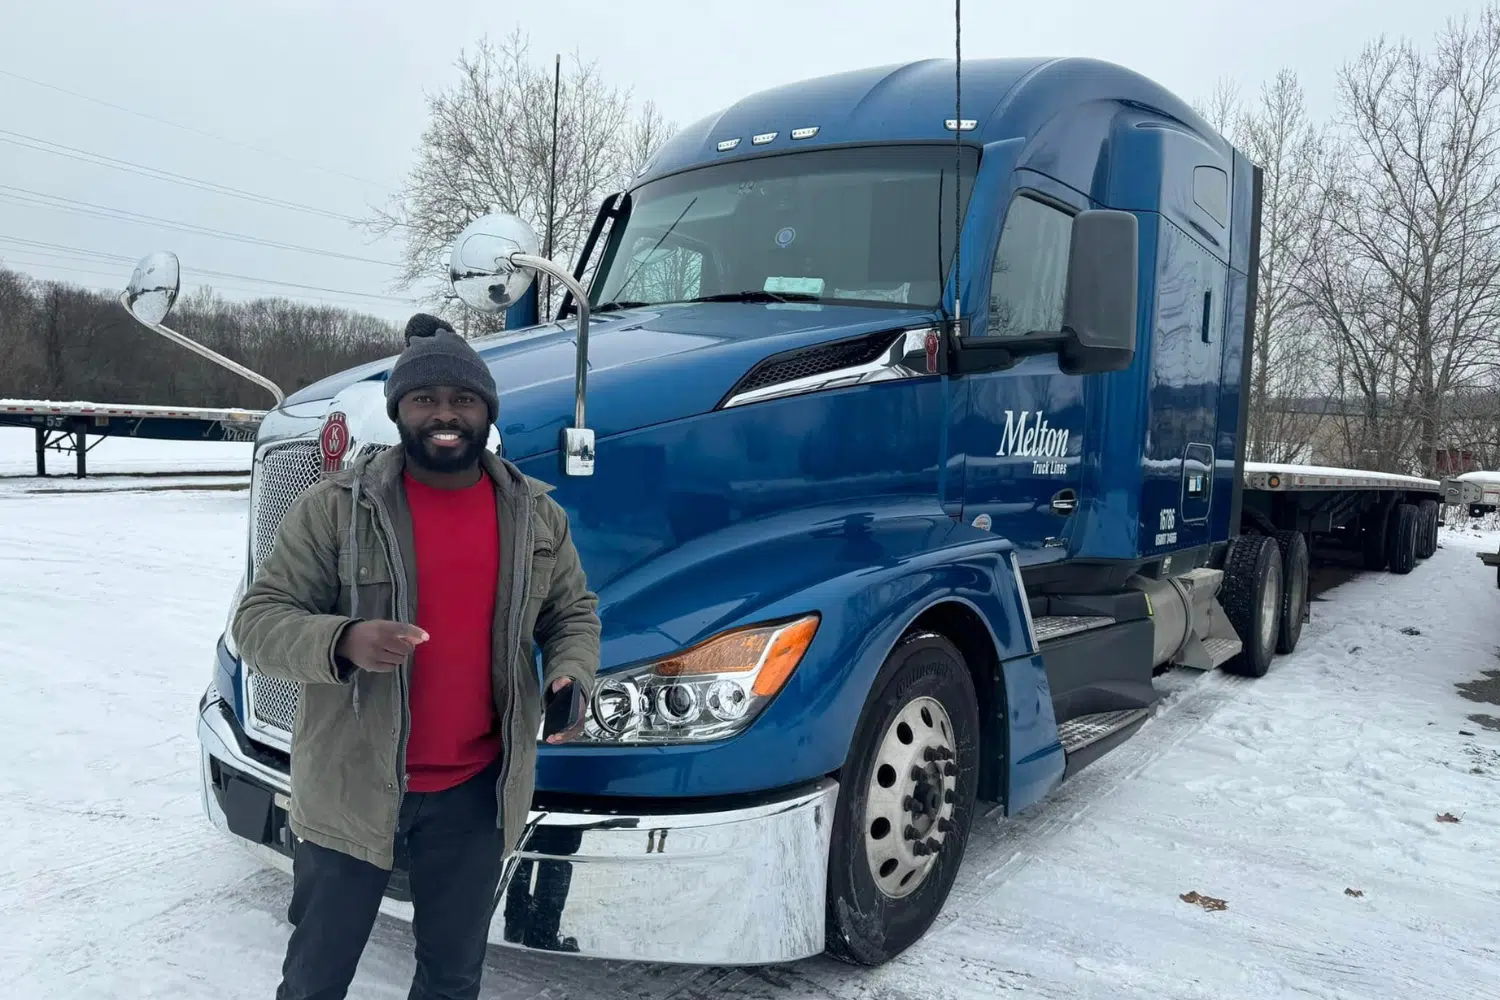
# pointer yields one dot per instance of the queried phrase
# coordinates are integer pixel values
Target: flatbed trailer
(1391, 518)
(66, 427)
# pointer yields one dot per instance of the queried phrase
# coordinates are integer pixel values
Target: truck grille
(285, 473)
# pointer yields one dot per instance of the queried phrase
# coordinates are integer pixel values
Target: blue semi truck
(913, 450)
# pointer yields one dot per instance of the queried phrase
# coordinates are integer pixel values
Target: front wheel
(906, 802)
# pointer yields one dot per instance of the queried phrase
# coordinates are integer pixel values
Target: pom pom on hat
(425, 325)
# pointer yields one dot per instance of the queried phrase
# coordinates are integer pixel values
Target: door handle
(1064, 502)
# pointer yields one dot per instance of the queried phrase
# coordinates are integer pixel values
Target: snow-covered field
(1308, 801)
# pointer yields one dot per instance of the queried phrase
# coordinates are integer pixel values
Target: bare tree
(1286, 362)
(1409, 235)
(488, 147)
(1223, 108)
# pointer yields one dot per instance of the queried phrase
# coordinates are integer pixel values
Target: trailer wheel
(1252, 599)
(1402, 537)
(1375, 523)
(907, 800)
(1294, 602)
(1428, 514)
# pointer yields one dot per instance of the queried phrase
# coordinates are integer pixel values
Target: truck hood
(646, 366)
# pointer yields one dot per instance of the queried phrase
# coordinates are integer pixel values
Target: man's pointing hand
(380, 646)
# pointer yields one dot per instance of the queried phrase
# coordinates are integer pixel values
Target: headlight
(234, 605)
(712, 690)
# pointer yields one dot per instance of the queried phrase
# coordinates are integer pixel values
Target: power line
(29, 197)
(99, 159)
(190, 128)
(97, 256)
(240, 288)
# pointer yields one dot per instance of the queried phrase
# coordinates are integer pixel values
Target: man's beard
(443, 460)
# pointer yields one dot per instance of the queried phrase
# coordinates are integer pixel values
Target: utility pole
(552, 184)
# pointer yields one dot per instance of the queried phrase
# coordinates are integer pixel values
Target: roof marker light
(727, 144)
(969, 124)
(762, 138)
(805, 133)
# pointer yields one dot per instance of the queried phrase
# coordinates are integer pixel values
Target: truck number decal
(1166, 525)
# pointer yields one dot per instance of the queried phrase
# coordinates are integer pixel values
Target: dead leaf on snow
(1447, 818)
(1356, 893)
(1207, 902)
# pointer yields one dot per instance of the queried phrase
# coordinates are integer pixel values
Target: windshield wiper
(756, 296)
(615, 306)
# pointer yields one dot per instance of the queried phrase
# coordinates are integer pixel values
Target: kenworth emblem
(334, 441)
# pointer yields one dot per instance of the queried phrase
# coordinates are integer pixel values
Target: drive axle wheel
(906, 802)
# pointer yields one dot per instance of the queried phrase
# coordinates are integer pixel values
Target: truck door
(1021, 432)
(1187, 353)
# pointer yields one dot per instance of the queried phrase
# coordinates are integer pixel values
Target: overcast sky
(330, 95)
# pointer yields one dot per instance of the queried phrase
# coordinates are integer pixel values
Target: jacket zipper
(513, 638)
(403, 676)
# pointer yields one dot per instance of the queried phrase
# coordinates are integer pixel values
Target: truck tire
(1402, 538)
(1373, 524)
(1294, 602)
(1252, 599)
(1428, 511)
(885, 885)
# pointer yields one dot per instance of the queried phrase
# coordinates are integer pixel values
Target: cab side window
(1030, 275)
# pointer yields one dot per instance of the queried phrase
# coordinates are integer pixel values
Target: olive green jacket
(343, 553)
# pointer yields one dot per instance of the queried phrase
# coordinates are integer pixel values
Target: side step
(1050, 627)
(1089, 737)
(1086, 730)
(1223, 649)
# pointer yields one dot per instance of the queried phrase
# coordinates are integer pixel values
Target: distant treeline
(62, 342)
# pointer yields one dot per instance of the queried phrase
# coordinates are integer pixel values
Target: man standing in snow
(404, 593)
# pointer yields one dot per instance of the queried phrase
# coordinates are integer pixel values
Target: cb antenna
(958, 162)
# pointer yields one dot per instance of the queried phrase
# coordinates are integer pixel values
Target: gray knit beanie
(436, 355)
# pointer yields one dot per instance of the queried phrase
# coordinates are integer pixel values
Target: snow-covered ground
(1308, 801)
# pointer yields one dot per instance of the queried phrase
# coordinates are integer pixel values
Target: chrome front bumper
(740, 887)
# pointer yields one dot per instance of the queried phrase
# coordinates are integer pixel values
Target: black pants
(452, 849)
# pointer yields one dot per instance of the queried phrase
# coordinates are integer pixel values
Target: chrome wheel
(909, 803)
(1270, 603)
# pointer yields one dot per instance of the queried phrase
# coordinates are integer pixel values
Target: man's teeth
(447, 437)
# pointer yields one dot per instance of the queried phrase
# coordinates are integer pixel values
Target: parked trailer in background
(879, 530)
(1479, 494)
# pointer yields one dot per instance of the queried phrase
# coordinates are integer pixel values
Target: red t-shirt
(454, 728)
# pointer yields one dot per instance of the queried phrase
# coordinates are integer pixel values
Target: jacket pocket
(367, 577)
(543, 563)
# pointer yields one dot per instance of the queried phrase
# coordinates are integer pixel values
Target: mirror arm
(199, 349)
(577, 441)
(581, 297)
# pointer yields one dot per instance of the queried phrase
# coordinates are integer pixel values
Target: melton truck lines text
(1036, 441)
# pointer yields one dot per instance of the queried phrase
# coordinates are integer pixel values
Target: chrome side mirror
(492, 263)
(480, 264)
(153, 287)
(149, 298)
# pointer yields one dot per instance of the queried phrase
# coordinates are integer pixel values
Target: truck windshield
(866, 225)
